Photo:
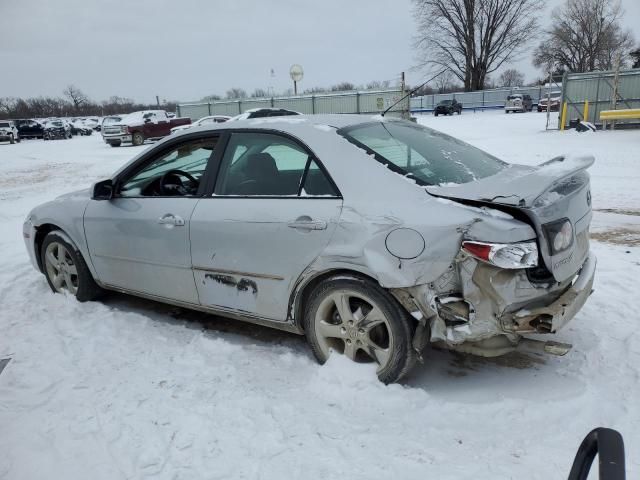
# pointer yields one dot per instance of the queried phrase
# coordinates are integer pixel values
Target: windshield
(56, 123)
(514, 97)
(4, 125)
(446, 102)
(111, 120)
(427, 156)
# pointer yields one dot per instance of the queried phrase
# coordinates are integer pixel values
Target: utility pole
(405, 111)
(614, 94)
(549, 99)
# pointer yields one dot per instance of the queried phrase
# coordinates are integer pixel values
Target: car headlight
(559, 235)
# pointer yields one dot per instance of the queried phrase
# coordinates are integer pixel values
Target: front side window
(174, 173)
(264, 164)
(427, 156)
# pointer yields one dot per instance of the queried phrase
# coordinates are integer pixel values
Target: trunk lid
(555, 190)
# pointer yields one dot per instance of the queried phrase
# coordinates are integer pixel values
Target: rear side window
(265, 164)
(427, 156)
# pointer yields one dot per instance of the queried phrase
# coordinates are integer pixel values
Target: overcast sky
(186, 49)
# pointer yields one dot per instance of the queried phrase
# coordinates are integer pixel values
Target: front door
(273, 212)
(139, 240)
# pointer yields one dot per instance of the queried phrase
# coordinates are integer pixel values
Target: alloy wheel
(352, 324)
(61, 269)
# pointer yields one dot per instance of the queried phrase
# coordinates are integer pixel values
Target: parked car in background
(57, 129)
(263, 113)
(202, 121)
(29, 128)
(518, 102)
(271, 222)
(554, 102)
(448, 107)
(80, 127)
(109, 120)
(9, 132)
(137, 127)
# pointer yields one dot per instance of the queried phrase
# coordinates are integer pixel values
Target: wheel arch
(41, 232)
(305, 286)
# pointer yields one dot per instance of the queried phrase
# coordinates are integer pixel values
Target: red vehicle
(137, 127)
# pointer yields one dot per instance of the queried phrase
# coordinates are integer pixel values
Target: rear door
(139, 240)
(273, 211)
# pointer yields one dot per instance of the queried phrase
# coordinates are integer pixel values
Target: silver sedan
(373, 237)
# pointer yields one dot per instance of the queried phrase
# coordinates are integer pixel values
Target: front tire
(65, 269)
(11, 139)
(358, 318)
(137, 139)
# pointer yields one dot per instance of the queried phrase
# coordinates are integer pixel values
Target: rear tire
(137, 139)
(360, 319)
(65, 269)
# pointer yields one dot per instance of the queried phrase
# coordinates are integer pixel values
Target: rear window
(4, 125)
(514, 97)
(427, 156)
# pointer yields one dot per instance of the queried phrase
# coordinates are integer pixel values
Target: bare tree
(343, 87)
(511, 78)
(378, 85)
(585, 35)
(444, 81)
(76, 96)
(259, 93)
(315, 90)
(473, 38)
(235, 93)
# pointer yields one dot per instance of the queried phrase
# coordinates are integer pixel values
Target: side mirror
(102, 190)
(609, 447)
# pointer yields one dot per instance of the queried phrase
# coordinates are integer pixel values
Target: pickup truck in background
(137, 127)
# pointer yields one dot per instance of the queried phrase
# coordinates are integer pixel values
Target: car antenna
(414, 90)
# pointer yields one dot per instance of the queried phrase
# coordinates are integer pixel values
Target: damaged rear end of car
(501, 291)
(521, 263)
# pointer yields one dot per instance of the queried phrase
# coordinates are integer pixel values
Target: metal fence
(597, 88)
(365, 102)
(481, 99)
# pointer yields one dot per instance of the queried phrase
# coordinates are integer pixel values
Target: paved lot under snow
(126, 388)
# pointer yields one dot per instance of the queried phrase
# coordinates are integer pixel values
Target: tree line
(237, 93)
(72, 103)
(468, 40)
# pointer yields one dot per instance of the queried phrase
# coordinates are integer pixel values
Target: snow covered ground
(126, 388)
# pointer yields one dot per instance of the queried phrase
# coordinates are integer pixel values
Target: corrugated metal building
(365, 102)
(597, 89)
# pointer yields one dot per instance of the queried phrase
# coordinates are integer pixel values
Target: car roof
(292, 123)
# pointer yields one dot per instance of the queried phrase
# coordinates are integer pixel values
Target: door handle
(171, 219)
(306, 223)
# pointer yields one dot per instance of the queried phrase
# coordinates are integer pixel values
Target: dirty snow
(127, 388)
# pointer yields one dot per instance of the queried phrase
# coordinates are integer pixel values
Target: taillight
(504, 255)
(559, 235)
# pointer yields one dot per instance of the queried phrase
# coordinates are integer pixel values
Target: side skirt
(288, 326)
